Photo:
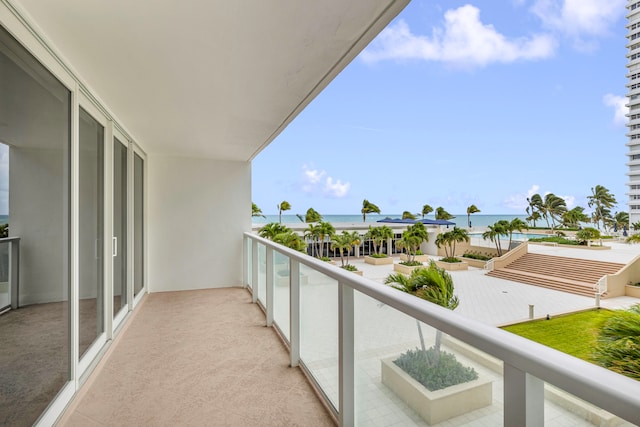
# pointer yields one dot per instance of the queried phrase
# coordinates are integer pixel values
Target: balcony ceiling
(208, 78)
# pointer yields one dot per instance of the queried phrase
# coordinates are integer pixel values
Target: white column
(346, 356)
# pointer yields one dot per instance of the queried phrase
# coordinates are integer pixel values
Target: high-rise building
(633, 86)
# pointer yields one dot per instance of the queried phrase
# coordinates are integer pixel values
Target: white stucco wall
(197, 212)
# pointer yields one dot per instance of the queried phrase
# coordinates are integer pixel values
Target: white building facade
(633, 94)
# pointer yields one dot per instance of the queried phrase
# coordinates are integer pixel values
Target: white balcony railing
(339, 326)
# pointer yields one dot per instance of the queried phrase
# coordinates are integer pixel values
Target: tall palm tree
(602, 199)
(283, 206)
(471, 210)
(426, 210)
(449, 240)
(367, 208)
(412, 238)
(534, 208)
(432, 284)
(256, 211)
(495, 231)
(313, 232)
(342, 242)
(442, 214)
(312, 216)
(574, 217)
(326, 231)
(291, 240)
(408, 215)
(621, 219)
(553, 207)
(516, 224)
(356, 240)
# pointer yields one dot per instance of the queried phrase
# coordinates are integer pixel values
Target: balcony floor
(197, 358)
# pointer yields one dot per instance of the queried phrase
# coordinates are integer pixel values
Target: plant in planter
(378, 235)
(449, 240)
(448, 388)
(342, 243)
(586, 235)
(349, 267)
(411, 240)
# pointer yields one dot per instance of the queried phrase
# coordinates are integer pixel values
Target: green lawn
(575, 334)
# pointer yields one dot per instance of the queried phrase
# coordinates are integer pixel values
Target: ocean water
(477, 220)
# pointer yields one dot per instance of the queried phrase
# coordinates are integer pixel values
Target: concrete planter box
(453, 266)
(473, 262)
(440, 405)
(632, 291)
(405, 269)
(378, 261)
(419, 258)
(358, 272)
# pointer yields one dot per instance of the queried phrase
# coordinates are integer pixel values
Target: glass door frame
(118, 136)
(134, 150)
(85, 361)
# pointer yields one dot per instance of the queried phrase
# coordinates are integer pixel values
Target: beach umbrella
(624, 230)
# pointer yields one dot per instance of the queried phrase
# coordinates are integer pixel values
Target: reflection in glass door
(119, 226)
(91, 195)
(138, 224)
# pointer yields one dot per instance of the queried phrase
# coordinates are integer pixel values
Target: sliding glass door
(120, 294)
(138, 223)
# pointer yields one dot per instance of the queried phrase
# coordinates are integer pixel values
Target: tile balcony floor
(197, 358)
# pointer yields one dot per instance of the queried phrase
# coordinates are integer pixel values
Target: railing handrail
(610, 391)
(9, 239)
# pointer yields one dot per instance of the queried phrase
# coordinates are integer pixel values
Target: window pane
(119, 225)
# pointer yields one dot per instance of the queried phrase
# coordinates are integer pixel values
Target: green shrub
(411, 263)
(556, 239)
(349, 267)
(435, 372)
(326, 259)
(476, 256)
(450, 259)
(619, 343)
(378, 255)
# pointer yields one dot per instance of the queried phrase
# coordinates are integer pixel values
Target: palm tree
(621, 219)
(553, 207)
(378, 236)
(256, 211)
(516, 224)
(426, 210)
(574, 217)
(534, 208)
(291, 240)
(471, 210)
(432, 284)
(495, 231)
(367, 208)
(408, 215)
(602, 199)
(619, 343)
(326, 230)
(442, 214)
(356, 240)
(312, 216)
(284, 206)
(313, 232)
(412, 238)
(450, 238)
(342, 242)
(271, 230)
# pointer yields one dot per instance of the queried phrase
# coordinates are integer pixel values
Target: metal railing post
(294, 311)
(346, 356)
(246, 241)
(269, 284)
(255, 267)
(14, 272)
(523, 398)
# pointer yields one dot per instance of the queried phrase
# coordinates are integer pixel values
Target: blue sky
(459, 103)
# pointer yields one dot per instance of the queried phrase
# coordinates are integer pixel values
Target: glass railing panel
(319, 329)
(562, 408)
(281, 293)
(386, 395)
(5, 288)
(262, 274)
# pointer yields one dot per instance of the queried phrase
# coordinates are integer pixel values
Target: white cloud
(569, 200)
(618, 104)
(580, 19)
(518, 201)
(464, 41)
(314, 181)
(337, 188)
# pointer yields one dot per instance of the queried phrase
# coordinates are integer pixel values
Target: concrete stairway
(577, 276)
